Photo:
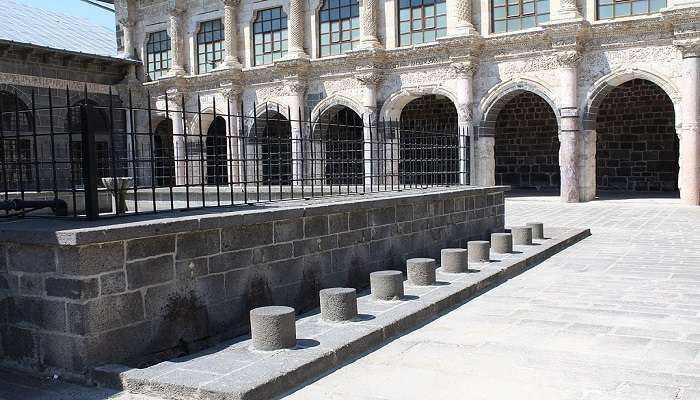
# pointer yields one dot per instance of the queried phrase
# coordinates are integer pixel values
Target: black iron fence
(112, 159)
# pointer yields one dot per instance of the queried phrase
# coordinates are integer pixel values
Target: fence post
(89, 161)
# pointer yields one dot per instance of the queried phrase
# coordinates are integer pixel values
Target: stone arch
(492, 104)
(259, 111)
(21, 95)
(603, 86)
(335, 100)
(394, 104)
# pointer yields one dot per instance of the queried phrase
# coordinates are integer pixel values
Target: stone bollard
(273, 328)
(502, 243)
(537, 229)
(421, 271)
(338, 304)
(478, 251)
(386, 285)
(522, 235)
(454, 261)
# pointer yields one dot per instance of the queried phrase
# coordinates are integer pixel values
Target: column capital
(232, 3)
(369, 78)
(690, 48)
(230, 91)
(294, 87)
(176, 7)
(465, 68)
(567, 58)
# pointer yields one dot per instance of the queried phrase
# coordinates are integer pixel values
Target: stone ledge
(79, 232)
(231, 371)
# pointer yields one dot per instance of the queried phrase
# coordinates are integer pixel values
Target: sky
(77, 8)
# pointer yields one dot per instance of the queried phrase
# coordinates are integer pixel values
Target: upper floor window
(270, 35)
(514, 15)
(421, 21)
(608, 9)
(339, 26)
(158, 54)
(210, 45)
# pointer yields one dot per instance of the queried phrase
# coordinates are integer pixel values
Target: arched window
(421, 21)
(158, 54)
(514, 15)
(210, 45)
(609, 9)
(339, 26)
(270, 35)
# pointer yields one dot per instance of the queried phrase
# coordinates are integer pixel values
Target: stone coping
(232, 371)
(71, 232)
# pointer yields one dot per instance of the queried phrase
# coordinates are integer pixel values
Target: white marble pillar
(569, 129)
(464, 72)
(484, 159)
(568, 10)
(369, 81)
(233, 143)
(368, 25)
(461, 11)
(296, 22)
(176, 40)
(689, 182)
(127, 38)
(295, 99)
(180, 147)
(231, 34)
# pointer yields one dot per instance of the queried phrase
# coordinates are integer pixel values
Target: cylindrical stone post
(273, 328)
(386, 285)
(338, 304)
(478, 251)
(537, 229)
(522, 235)
(420, 271)
(502, 243)
(454, 261)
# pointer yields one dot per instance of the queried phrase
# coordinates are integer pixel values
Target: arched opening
(164, 154)
(340, 132)
(216, 153)
(636, 145)
(428, 142)
(526, 147)
(273, 147)
(16, 128)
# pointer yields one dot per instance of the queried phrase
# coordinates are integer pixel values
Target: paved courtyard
(613, 317)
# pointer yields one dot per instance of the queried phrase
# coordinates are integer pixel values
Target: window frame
(422, 18)
(354, 43)
(284, 41)
(221, 51)
(519, 17)
(169, 58)
(613, 3)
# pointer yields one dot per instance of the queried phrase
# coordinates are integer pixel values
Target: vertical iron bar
(2, 155)
(244, 156)
(20, 180)
(202, 163)
(34, 144)
(92, 209)
(70, 153)
(113, 154)
(52, 134)
(187, 155)
(152, 152)
(132, 137)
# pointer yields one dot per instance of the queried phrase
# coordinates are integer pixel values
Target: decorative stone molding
(568, 58)
(688, 47)
(369, 77)
(465, 113)
(568, 10)
(294, 87)
(464, 68)
(230, 92)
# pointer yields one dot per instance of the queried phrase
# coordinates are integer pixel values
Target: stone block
(31, 284)
(352, 238)
(382, 216)
(105, 313)
(273, 328)
(537, 229)
(36, 312)
(150, 246)
(150, 271)
(112, 283)
(316, 226)
(315, 245)
(236, 282)
(289, 229)
(386, 285)
(31, 258)
(78, 289)
(91, 259)
(338, 223)
(478, 251)
(404, 212)
(522, 235)
(63, 351)
(272, 252)
(230, 260)
(420, 271)
(198, 244)
(454, 260)
(338, 304)
(357, 219)
(246, 236)
(211, 289)
(191, 269)
(502, 243)
(19, 344)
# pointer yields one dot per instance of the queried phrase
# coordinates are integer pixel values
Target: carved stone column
(689, 182)
(294, 89)
(127, 38)
(569, 129)
(464, 72)
(462, 11)
(176, 39)
(368, 25)
(296, 30)
(373, 170)
(231, 93)
(568, 10)
(175, 112)
(231, 34)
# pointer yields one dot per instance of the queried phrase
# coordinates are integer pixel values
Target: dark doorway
(341, 131)
(164, 154)
(216, 153)
(273, 139)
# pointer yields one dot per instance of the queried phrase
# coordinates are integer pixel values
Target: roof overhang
(87, 56)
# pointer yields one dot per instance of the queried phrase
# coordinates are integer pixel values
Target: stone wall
(527, 146)
(138, 291)
(637, 146)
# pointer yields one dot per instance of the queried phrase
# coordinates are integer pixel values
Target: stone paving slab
(233, 371)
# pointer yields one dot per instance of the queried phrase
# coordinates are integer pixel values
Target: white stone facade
(572, 62)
